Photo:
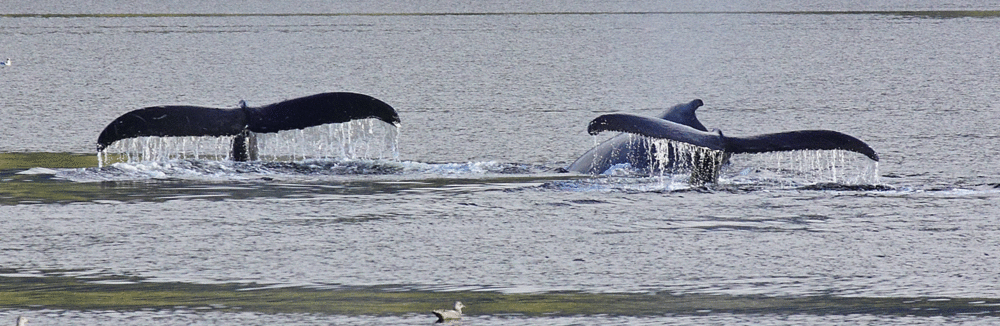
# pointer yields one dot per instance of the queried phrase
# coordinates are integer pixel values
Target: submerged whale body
(244, 122)
(680, 124)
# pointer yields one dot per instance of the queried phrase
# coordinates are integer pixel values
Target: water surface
(470, 204)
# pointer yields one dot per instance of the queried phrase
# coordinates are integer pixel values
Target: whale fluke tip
(800, 140)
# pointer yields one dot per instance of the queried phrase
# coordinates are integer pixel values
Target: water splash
(673, 157)
(359, 139)
(364, 139)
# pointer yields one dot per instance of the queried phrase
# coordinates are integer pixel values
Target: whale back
(620, 149)
(629, 149)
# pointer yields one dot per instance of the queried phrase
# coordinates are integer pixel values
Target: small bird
(5, 63)
(443, 315)
(21, 320)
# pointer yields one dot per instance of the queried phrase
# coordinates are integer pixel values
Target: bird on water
(443, 315)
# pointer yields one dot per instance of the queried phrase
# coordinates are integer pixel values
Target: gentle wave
(910, 13)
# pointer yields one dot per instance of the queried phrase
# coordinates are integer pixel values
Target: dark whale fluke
(242, 122)
(680, 124)
(782, 141)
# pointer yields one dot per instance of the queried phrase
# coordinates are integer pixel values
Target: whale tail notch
(299, 113)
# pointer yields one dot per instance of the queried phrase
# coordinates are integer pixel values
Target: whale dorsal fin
(684, 114)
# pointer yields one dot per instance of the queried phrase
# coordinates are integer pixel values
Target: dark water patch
(45, 189)
(846, 187)
(588, 201)
(936, 14)
(327, 221)
(940, 14)
(130, 294)
(677, 186)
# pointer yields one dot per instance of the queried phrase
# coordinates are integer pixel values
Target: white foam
(36, 171)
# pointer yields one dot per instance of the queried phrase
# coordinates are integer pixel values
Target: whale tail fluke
(799, 140)
(292, 114)
(783, 141)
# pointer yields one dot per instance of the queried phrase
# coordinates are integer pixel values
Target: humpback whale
(680, 124)
(244, 122)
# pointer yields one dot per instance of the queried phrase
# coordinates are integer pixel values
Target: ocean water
(363, 223)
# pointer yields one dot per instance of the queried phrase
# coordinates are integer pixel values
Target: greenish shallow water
(53, 292)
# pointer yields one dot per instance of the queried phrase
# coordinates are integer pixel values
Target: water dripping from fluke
(667, 166)
(805, 168)
(157, 127)
(356, 140)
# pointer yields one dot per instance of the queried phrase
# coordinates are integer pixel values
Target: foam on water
(308, 169)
